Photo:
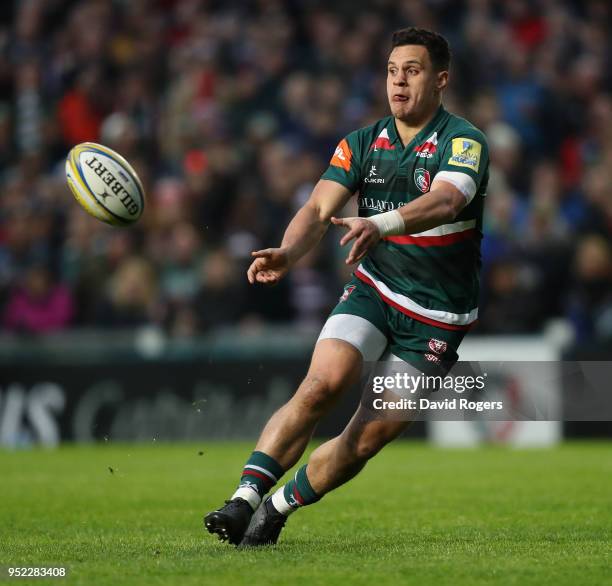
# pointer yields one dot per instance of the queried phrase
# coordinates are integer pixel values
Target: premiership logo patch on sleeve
(342, 156)
(466, 153)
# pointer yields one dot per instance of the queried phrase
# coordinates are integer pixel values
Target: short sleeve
(464, 162)
(344, 166)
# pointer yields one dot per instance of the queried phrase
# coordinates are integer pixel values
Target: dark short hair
(436, 45)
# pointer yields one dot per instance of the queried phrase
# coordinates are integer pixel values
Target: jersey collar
(425, 132)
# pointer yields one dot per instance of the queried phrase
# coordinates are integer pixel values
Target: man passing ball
(413, 296)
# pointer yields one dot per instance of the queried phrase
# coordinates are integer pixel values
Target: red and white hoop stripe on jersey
(440, 236)
(441, 319)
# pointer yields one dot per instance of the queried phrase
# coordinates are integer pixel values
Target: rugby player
(421, 175)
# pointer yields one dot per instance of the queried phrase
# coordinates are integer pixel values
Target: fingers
(257, 266)
(358, 258)
(255, 270)
(351, 224)
(252, 273)
(257, 274)
(267, 277)
(359, 250)
(266, 253)
(353, 233)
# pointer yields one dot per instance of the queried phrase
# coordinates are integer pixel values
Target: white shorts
(361, 334)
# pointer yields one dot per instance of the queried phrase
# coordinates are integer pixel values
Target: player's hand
(364, 232)
(269, 267)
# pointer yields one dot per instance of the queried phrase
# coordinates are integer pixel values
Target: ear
(442, 80)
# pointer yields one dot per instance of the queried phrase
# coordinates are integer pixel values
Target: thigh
(351, 335)
(335, 366)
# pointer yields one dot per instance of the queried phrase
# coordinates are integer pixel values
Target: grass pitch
(133, 515)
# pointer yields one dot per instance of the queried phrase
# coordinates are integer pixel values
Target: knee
(318, 392)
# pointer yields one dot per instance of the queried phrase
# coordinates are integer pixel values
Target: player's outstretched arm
(303, 233)
(439, 206)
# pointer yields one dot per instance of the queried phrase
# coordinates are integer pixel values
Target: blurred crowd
(230, 111)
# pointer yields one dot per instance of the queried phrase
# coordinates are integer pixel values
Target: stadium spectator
(219, 300)
(229, 111)
(131, 298)
(590, 299)
(39, 305)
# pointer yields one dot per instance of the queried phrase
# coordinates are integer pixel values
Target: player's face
(413, 86)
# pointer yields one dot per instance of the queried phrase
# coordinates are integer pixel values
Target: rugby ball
(105, 184)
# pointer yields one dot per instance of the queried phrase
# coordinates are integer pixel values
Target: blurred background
(230, 112)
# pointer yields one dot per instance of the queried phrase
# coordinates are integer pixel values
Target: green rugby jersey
(432, 276)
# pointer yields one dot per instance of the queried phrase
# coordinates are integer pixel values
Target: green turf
(416, 515)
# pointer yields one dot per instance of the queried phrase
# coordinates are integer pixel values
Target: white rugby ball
(105, 184)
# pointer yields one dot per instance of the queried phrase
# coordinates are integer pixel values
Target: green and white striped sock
(260, 474)
(297, 493)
